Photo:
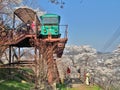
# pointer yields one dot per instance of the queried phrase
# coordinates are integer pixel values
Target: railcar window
(50, 20)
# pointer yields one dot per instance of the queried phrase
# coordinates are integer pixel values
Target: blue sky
(92, 22)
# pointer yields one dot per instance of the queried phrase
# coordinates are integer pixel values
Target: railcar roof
(50, 15)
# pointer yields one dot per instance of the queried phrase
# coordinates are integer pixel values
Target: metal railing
(64, 31)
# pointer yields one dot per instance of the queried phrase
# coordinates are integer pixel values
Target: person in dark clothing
(68, 70)
(79, 73)
(78, 70)
(28, 26)
(68, 73)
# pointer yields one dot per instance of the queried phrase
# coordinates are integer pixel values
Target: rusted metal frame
(66, 31)
(19, 66)
(18, 53)
(41, 61)
(55, 40)
(36, 69)
(49, 53)
(43, 50)
(10, 55)
(3, 49)
(36, 29)
(17, 56)
(53, 74)
(13, 59)
(57, 79)
(13, 21)
(54, 47)
(57, 72)
(30, 14)
(14, 53)
(21, 54)
(42, 74)
(10, 59)
(4, 53)
(6, 56)
(29, 62)
(50, 65)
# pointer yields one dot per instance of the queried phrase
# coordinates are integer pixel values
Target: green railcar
(50, 25)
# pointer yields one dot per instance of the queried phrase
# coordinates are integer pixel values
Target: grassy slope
(15, 85)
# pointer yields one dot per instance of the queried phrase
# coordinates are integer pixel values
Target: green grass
(95, 87)
(14, 82)
(15, 85)
(86, 88)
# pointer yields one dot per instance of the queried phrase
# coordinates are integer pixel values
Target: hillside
(103, 67)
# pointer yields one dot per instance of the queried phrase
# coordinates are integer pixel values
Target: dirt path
(76, 84)
(84, 87)
(79, 86)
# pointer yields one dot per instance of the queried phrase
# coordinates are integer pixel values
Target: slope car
(50, 25)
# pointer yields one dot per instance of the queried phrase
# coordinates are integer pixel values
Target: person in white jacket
(87, 81)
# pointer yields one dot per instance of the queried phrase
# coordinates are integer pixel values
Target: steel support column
(50, 64)
(36, 69)
(9, 59)
(56, 72)
(19, 54)
(53, 74)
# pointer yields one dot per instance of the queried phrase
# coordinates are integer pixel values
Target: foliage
(7, 8)
(58, 2)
